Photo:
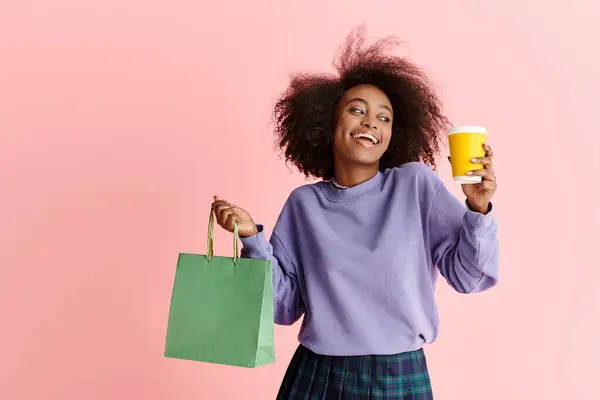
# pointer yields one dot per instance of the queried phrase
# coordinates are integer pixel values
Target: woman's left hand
(479, 195)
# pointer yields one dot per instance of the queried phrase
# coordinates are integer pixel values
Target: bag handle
(209, 241)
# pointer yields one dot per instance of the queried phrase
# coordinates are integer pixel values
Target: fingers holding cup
(486, 162)
(483, 173)
(488, 151)
(487, 176)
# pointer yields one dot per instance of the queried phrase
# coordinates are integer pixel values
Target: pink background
(120, 120)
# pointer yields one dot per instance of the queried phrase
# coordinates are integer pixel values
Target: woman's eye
(356, 111)
(384, 119)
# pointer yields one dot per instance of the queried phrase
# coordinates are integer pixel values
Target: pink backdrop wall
(120, 120)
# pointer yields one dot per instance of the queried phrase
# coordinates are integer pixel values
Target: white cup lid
(467, 129)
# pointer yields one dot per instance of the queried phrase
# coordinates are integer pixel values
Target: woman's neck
(347, 177)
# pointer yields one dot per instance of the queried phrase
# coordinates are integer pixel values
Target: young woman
(357, 253)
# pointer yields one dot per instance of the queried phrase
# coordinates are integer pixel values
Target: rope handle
(209, 241)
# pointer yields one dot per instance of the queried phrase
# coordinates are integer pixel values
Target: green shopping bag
(221, 309)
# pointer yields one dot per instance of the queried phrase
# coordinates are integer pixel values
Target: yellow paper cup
(466, 142)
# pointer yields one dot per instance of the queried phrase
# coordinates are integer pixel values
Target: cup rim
(467, 129)
(466, 180)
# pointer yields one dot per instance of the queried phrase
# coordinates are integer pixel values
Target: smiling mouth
(365, 137)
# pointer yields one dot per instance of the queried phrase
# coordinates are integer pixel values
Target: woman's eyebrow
(360, 100)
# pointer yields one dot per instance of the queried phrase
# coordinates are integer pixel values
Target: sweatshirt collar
(337, 195)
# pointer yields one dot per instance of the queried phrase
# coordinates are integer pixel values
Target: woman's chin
(364, 160)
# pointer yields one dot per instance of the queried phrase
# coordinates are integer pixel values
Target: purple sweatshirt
(361, 264)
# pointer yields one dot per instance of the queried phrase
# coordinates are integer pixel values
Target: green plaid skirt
(311, 376)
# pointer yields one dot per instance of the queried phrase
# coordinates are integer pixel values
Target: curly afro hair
(304, 116)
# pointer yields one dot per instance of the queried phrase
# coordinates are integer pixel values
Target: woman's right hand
(228, 214)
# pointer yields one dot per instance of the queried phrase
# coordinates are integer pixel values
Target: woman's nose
(367, 123)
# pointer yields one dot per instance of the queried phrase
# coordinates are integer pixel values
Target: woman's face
(364, 126)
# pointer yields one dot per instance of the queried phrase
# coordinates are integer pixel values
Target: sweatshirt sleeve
(289, 306)
(463, 243)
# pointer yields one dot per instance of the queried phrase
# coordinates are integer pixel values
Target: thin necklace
(338, 186)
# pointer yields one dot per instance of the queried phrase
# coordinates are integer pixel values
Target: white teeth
(365, 135)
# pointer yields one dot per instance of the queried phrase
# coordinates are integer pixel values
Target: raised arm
(463, 243)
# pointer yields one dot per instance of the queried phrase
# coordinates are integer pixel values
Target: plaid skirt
(311, 376)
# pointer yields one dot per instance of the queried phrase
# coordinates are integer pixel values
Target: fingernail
(474, 159)
(469, 172)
